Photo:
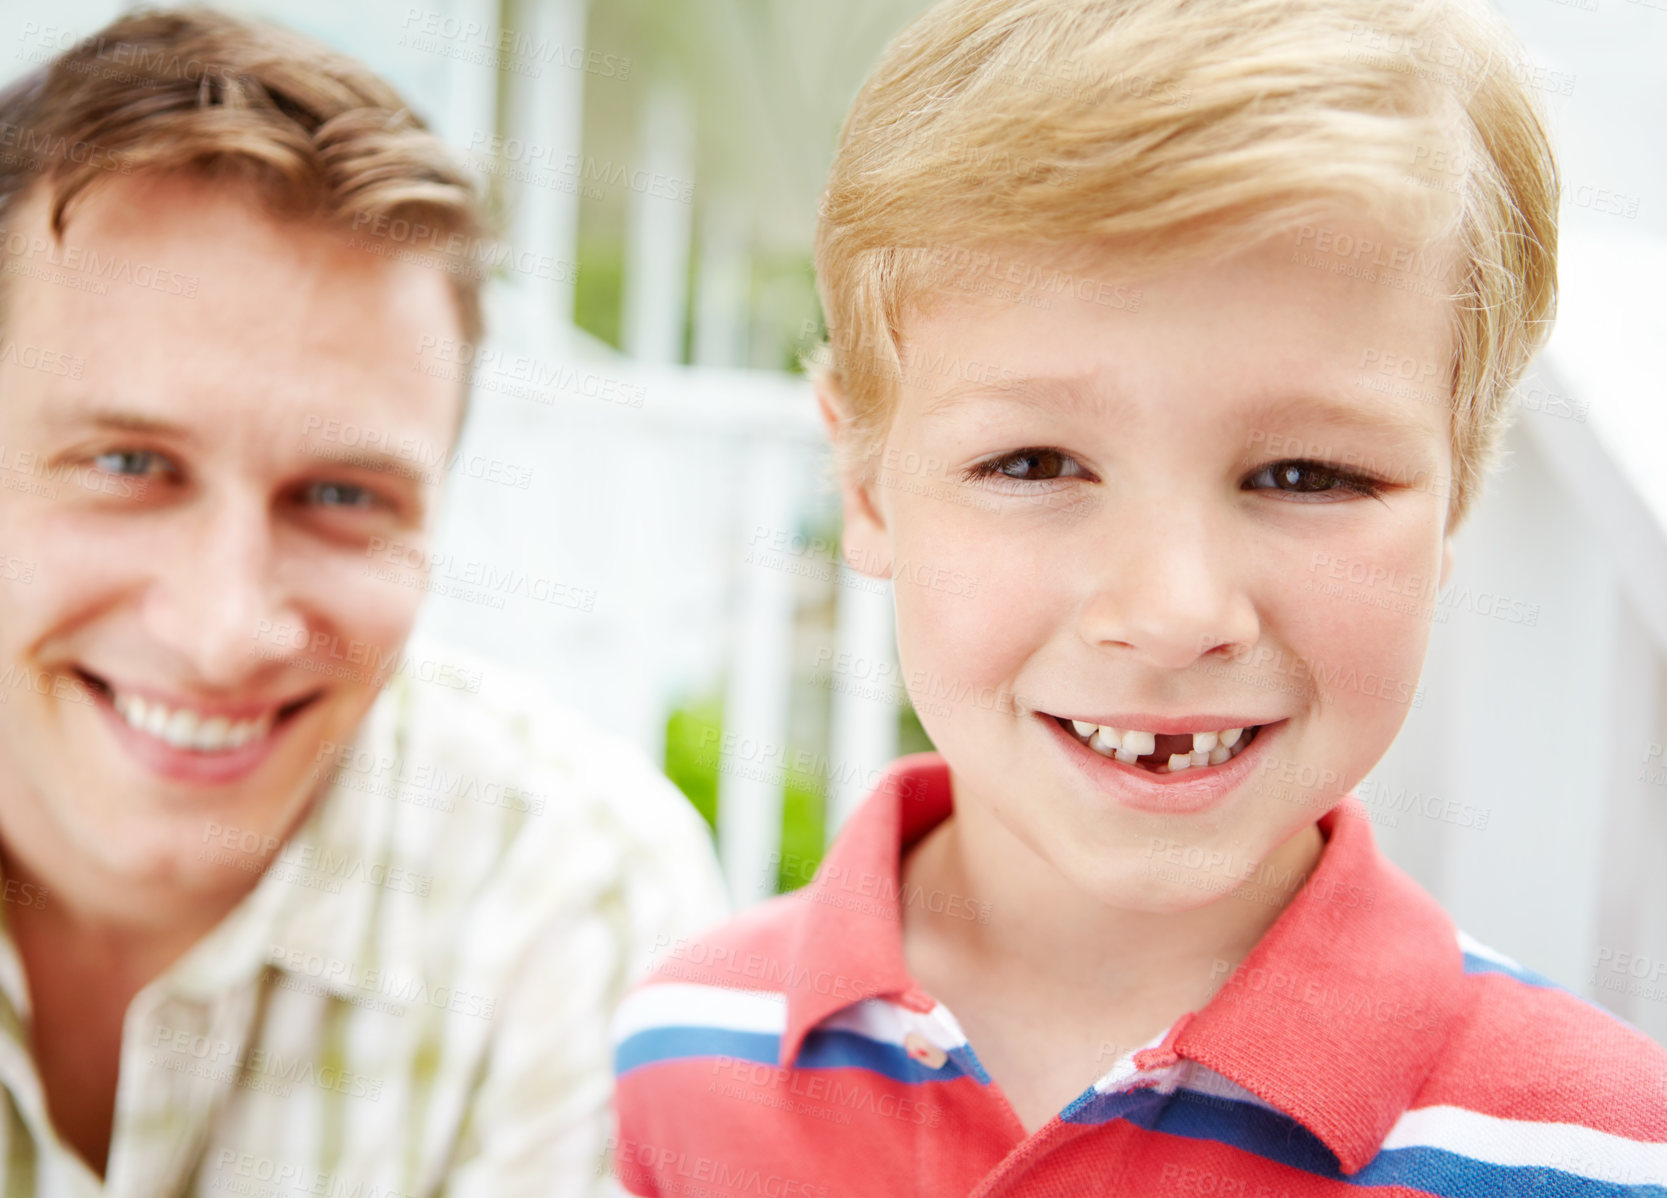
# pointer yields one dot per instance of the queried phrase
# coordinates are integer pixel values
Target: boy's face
(1112, 505)
(187, 526)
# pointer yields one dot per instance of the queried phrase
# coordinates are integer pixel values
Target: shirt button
(923, 1050)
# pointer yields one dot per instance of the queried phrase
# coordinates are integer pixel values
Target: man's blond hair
(313, 133)
(1170, 128)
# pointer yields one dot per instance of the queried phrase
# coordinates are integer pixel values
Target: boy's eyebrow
(1307, 408)
(1331, 412)
(1036, 391)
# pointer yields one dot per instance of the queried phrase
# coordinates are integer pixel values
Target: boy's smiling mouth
(1166, 752)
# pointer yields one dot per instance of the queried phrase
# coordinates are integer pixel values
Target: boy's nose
(1171, 591)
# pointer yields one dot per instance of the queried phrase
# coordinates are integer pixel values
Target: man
(287, 910)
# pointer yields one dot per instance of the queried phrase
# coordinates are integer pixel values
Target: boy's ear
(866, 540)
(1446, 562)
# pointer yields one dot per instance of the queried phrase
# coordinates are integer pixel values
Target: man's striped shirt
(414, 998)
(1364, 1047)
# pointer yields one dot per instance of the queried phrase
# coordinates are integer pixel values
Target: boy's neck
(1041, 923)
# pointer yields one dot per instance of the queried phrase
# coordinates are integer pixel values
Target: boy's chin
(1137, 886)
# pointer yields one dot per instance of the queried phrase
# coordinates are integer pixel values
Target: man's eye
(1311, 478)
(1030, 465)
(135, 463)
(339, 495)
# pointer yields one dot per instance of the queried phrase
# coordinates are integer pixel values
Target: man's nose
(223, 586)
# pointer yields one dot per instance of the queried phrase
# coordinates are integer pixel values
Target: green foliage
(693, 735)
(788, 314)
(599, 289)
(803, 829)
(911, 737)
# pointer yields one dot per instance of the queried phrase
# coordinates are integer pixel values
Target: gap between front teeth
(1130, 744)
(182, 728)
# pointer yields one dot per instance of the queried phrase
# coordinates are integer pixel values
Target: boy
(1129, 933)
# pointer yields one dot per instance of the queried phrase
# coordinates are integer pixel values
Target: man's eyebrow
(377, 461)
(119, 420)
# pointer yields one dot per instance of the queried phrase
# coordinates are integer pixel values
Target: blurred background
(662, 161)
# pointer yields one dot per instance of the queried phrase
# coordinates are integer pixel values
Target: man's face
(1187, 506)
(191, 606)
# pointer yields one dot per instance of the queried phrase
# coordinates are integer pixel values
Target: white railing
(1554, 728)
(694, 525)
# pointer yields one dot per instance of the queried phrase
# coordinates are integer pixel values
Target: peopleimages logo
(96, 268)
(485, 43)
(398, 561)
(21, 145)
(417, 458)
(531, 157)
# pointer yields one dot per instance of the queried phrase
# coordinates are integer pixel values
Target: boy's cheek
(1358, 656)
(971, 609)
(957, 660)
(1367, 639)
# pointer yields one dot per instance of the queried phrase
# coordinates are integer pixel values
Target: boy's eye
(135, 463)
(1030, 465)
(1310, 478)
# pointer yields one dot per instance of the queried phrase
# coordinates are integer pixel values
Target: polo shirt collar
(1336, 1017)
(851, 916)
(1342, 1009)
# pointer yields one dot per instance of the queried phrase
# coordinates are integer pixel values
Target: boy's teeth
(183, 728)
(1140, 743)
(1106, 740)
(1128, 745)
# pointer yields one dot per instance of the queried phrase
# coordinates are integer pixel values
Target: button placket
(923, 1050)
(938, 1030)
(160, 1071)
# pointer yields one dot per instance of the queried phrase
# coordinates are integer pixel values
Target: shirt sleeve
(539, 1121)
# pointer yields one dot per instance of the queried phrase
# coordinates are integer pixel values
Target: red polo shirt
(1363, 1047)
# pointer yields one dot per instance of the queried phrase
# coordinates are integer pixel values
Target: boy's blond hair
(1171, 128)
(316, 135)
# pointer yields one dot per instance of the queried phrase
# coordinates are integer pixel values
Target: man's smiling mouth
(191, 729)
(1162, 752)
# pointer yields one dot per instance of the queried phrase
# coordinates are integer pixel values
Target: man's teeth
(183, 728)
(1129, 744)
